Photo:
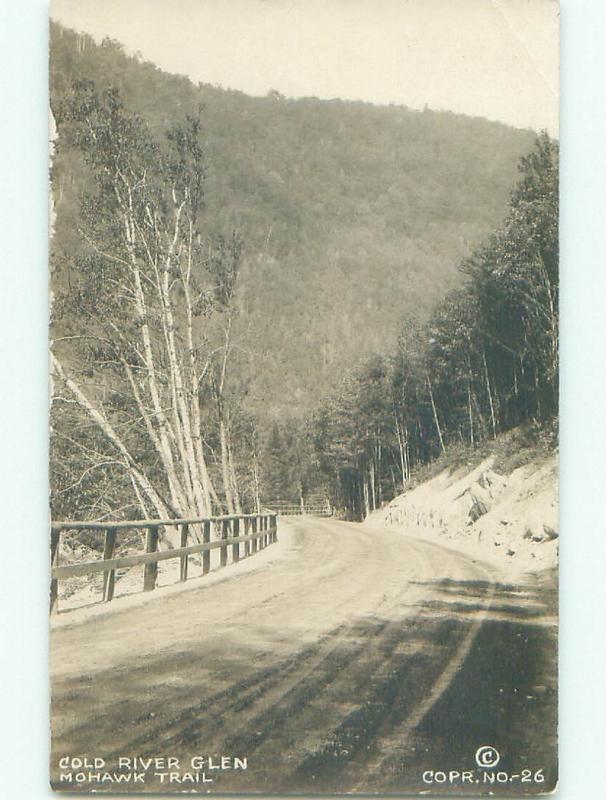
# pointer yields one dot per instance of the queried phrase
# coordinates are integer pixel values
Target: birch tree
(130, 349)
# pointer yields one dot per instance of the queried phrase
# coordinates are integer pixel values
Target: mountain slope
(354, 216)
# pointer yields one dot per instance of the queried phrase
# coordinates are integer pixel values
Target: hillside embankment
(507, 516)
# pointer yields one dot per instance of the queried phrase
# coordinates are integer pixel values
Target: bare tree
(146, 291)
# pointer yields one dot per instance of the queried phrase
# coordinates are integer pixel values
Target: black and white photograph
(304, 365)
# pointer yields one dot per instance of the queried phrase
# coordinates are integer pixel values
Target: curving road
(358, 662)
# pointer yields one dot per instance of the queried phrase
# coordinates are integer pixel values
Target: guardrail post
(255, 529)
(206, 553)
(184, 559)
(262, 532)
(150, 574)
(224, 535)
(267, 537)
(54, 587)
(246, 533)
(274, 528)
(109, 576)
(236, 546)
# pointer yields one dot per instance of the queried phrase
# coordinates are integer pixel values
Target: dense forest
(485, 362)
(261, 298)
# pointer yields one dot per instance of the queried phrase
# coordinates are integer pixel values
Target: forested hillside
(485, 362)
(351, 215)
(230, 273)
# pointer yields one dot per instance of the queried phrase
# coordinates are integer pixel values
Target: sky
(492, 58)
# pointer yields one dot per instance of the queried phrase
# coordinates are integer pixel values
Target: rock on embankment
(511, 518)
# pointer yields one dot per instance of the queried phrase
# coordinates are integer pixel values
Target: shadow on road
(335, 716)
(505, 695)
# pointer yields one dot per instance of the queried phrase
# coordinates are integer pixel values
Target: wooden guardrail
(292, 509)
(254, 531)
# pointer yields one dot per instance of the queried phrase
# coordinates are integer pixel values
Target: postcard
(304, 423)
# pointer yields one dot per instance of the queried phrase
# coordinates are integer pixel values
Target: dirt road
(360, 661)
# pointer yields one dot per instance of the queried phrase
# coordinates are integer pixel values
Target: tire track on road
(400, 736)
(340, 703)
(314, 666)
(265, 687)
